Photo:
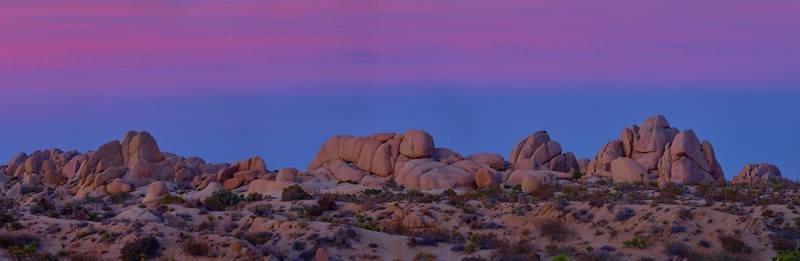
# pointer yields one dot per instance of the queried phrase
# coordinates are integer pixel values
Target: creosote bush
(733, 245)
(638, 241)
(140, 249)
(293, 193)
(221, 200)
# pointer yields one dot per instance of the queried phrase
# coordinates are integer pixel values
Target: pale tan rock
(716, 168)
(343, 171)
(33, 163)
(534, 181)
(72, 166)
(526, 147)
(446, 156)
(417, 144)
(31, 182)
(118, 186)
(50, 173)
(287, 175)
(108, 175)
(108, 155)
(627, 138)
(486, 179)
(155, 191)
(233, 183)
(183, 176)
(493, 160)
(626, 170)
(687, 145)
(321, 254)
(369, 148)
(607, 154)
(144, 159)
(757, 174)
(383, 160)
(247, 175)
(546, 152)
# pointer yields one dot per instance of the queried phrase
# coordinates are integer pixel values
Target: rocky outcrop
(539, 152)
(144, 159)
(666, 154)
(758, 174)
(411, 159)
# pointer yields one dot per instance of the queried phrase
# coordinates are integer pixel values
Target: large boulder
(665, 153)
(626, 170)
(493, 160)
(144, 159)
(417, 144)
(539, 152)
(758, 174)
(107, 156)
(156, 191)
(685, 161)
(429, 174)
(649, 142)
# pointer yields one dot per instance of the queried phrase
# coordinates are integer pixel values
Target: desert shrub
(263, 210)
(310, 212)
(554, 229)
(576, 175)
(624, 214)
(221, 200)
(487, 241)
(520, 250)
(171, 199)
(327, 202)
(17, 244)
(256, 239)
(371, 191)
(253, 196)
(637, 241)
(733, 245)
(6, 218)
(293, 193)
(424, 256)
(195, 248)
(119, 198)
(365, 223)
(787, 256)
(560, 257)
(140, 249)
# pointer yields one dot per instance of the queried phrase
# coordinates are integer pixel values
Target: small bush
(554, 229)
(195, 248)
(253, 196)
(638, 241)
(140, 249)
(787, 256)
(119, 198)
(327, 202)
(624, 214)
(171, 199)
(6, 218)
(733, 245)
(293, 193)
(365, 223)
(560, 257)
(263, 210)
(424, 256)
(576, 175)
(221, 200)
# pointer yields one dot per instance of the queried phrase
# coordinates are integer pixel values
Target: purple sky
(173, 47)
(74, 69)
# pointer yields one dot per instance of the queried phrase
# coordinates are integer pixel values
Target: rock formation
(665, 153)
(758, 174)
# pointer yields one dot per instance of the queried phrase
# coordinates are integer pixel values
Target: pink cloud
(322, 45)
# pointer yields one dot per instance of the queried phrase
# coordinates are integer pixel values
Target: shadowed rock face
(758, 174)
(666, 154)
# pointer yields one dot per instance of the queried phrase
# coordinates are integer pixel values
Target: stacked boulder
(656, 151)
(411, 159)
(758, 174)
(37, 169)
(539, 152)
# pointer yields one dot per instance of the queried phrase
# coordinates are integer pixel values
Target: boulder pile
(657, 152)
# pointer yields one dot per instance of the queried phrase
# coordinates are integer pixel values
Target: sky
(228, 80)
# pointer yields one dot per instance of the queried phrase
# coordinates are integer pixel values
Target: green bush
(221, 200)
(787, 256)
(293, 193)
(638, 241)
(253, 196)
(140, 249)
(560, 257)
(171, 199)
